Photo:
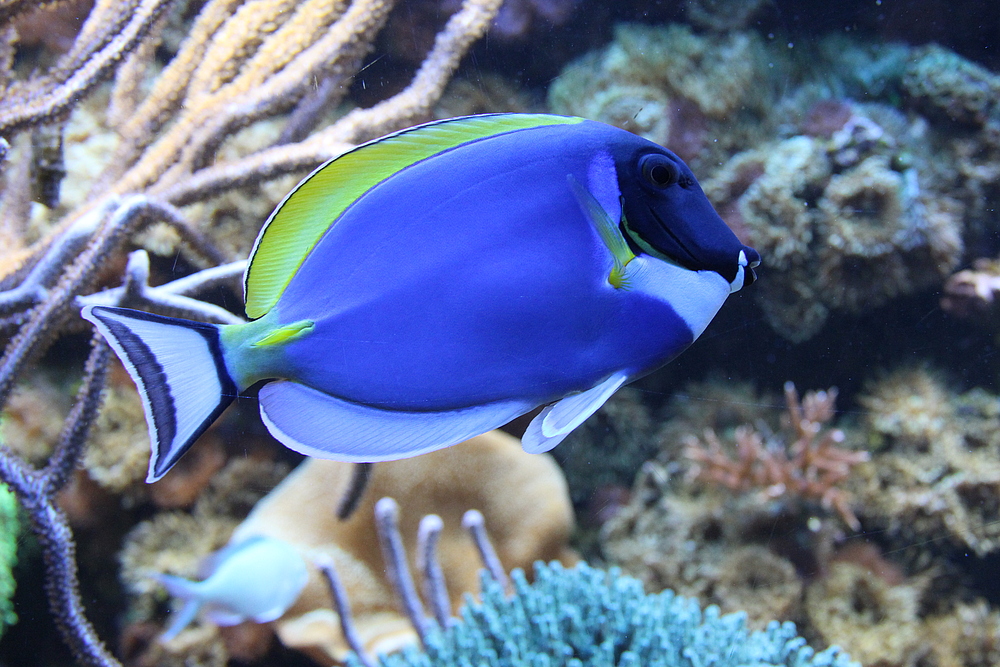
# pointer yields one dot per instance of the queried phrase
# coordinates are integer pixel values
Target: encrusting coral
(667, 84)
(880, 594)
(620, 436)
(940, 81)
(737, 532)
(878, 619)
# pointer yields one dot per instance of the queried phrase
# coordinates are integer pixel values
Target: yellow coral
(911, 408)
(32, 418)
(874, 621)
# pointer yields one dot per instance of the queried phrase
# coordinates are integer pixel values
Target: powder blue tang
(439, 282)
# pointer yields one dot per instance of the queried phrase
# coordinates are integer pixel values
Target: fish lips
(747, 261)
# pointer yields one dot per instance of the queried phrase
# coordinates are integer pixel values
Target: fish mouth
(745, 274)
(747, 260)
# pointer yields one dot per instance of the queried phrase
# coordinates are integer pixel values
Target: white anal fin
(317, 424)
(558, 420)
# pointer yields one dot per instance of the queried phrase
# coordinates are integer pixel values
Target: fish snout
(748, 260)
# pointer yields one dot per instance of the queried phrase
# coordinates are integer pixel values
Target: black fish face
(667, 215)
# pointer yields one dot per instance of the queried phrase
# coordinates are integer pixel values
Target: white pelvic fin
(323, 426)
(178, 369)
(558, 420)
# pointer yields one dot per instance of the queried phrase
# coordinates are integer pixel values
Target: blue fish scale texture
(522, 304)
(585, 617)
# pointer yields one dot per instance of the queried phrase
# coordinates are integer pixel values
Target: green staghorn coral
(586, 616)
(9, 529)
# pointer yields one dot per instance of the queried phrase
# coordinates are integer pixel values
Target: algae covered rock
(585, 617)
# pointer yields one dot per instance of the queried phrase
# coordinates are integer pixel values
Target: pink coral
(811, 467)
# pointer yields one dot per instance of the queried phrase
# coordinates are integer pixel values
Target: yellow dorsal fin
(300, 220)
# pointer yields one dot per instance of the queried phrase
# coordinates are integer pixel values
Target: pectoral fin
(607, 229)
(558, 420)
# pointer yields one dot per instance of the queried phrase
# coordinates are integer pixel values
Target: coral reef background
(855, 144)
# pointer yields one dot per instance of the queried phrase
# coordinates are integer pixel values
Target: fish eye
(659, 170)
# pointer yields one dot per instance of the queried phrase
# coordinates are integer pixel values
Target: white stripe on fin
(317, 424)
(178, 370)
(558, 420)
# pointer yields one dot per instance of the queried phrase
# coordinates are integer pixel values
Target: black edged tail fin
(178, 368)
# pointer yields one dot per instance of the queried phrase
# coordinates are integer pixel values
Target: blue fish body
(513, 261)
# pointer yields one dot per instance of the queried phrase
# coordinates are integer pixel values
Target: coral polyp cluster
(939, 453)
(667, 84)
(845, 222)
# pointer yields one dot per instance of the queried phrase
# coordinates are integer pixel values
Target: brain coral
(845, 223)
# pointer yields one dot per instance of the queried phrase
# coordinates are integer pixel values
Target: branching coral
(879, 594)
(812, 467)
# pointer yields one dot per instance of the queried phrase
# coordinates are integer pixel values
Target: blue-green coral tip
(583, 617)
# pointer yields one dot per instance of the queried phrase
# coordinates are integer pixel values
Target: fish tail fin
(178, 368)
(186, 590)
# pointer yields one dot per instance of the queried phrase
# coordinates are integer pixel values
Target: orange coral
(811, 467)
